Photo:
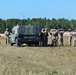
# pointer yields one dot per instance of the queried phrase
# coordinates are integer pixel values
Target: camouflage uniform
(54, 35)
(42, 37)
(46, 37)
(70, 36)
(61, 37)
(7, 35)
(74, 40)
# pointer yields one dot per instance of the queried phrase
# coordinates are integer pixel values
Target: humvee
(29, 35)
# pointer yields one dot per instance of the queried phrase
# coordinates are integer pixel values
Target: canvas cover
(29, 30)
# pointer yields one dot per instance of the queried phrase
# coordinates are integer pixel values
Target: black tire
(37, 44)
(29, 44)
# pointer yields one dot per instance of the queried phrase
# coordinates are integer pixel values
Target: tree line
(43, 22)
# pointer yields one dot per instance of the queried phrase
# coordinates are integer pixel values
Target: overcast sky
(38, 9)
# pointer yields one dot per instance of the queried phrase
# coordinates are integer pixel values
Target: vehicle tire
(37, 44)
(17, 43)
(29, 44)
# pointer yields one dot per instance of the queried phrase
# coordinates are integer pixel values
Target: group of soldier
(54, 36)
(57, 37)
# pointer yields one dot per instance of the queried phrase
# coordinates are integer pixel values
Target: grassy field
(37, 60)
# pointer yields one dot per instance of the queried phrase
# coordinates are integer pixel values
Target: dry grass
(37, 60)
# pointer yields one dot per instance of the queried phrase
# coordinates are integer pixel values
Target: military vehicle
(29, 35)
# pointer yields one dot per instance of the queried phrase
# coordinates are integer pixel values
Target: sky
(23, 9)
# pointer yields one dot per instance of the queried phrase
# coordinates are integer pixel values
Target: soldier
(42, 36)
(74, 40)
(46, 37)
(61, 37)
(54, 35)
(70, 36)
(7, 35)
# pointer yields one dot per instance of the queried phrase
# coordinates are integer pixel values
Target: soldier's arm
(50, 33)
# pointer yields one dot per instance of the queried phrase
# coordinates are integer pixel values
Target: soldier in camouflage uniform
(54, 35)
(74, 40)
(46, 37)
(42, 36)
(70, 36)
(7, 35)
(61, 32)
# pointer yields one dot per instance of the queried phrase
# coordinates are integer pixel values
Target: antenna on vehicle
(22, 14)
